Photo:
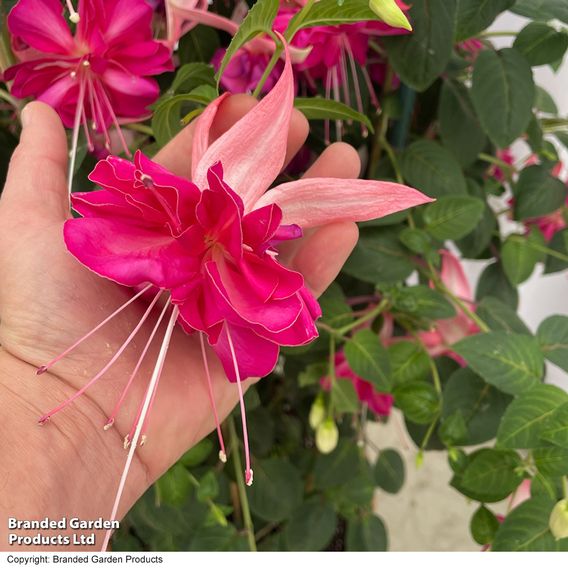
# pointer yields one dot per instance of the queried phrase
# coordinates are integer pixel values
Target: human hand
(71, 467)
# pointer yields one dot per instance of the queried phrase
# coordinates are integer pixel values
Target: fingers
(176, 155)
(323, 253)
(36, 182)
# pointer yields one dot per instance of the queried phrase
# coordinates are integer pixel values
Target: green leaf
(511, 362)
(409, 362)
(379, 257)
(494, 282)
(460, 129)
(519, 257)
(558, 243)
(541, 44)
(543, 10)
(192, 75)
(553, 337)
(389, 471)
(525, 529)
(367, 534)
(493, 471)
(331, 13)
(312, 374)
(481, 405)
(336, 468)
(503, 93)
(453, 216)
(311, 526)
(500, 317)
(538, 193)
(556, 429)
(174, 486)
(552, 462)
(475, 16)
(423, 302)
(277, 490)
(432, 169)
(483, 525)
(344, 397)
(420, 57)
(198, 454)
(199, 44)
(419, 401)
(208, 487)
(336, 312)
(527, 416)
(415, 240)
(325, 109)
(259, 19)
(369, 359)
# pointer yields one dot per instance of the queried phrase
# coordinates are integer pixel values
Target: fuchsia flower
(379, 402)
(245, 69)
(495, 171)
(449, 331)
(97, 77)
(209, 245)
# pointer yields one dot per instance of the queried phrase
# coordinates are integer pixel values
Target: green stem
(331, 374)
(393, 160)
(368, 316)
(238, 466)
(382, 125)
(267, 71)
(429, 433)
(296, 23)
(142, 128)
(497, 162)
(565, 486)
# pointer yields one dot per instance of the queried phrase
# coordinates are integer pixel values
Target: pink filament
(113, 414)
(364, 130)
(47, 416)
(248, 470)
(48, 365)
(149, 395)
(222, 453)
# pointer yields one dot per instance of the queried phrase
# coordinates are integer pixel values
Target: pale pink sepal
(253, 150)
(318, 201)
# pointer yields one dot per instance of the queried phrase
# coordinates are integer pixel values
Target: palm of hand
(48, 300)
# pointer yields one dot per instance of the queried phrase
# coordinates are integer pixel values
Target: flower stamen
(73, 15)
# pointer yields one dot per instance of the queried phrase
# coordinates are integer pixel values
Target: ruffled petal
(311, 202)
(40, 24)
(257, 139)
(127, 254)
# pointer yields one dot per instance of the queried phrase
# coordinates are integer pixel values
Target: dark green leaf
(424, 302)
(409, 362)
(367, 534)
(311, 526)
(543, 10)
(519, 256)
(198, 454)
(541, 44)
(336, 468)
(544, 102)
(389, 471)
(552, 462)
(483, 526)
(558, 243)
(369, 359)
(475, 16)
(344, 397)
(432, 169)
(556, 429)
(199, 44)
(500, 317)
(453, 216)
(525, 529)
(420, 57)
(336, 312)
(553, 337)
(277, 489)
(503, 94)
(419, 401)
(494, 282)
(538, 193)
(192, 75)
(208, 487)
(174, 486)
(415, 240)
(325, 109)
(527, 416)
(460, 129)
(511, 362)
(480, 405)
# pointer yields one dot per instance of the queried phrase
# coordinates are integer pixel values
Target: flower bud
(317, 412)
(390, 13)
(558, 522)
(327, 436)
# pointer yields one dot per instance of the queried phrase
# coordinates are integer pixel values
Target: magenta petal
(253, 150)
(127, 254)
(41, 25)
(256, 357)
(260, 225)
(311, 202)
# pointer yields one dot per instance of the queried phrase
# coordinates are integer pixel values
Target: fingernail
(24, 117)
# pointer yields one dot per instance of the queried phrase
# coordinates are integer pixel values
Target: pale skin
(71, 467)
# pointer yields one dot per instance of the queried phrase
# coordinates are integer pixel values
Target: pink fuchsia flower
(497, 172)
(471, 47)
(446, 332)
(245, 69)
(379, 402)
(210, 244)
(97, 77)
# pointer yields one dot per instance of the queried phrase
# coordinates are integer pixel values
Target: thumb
(36, 183)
